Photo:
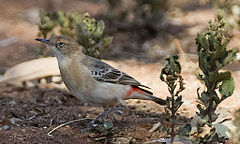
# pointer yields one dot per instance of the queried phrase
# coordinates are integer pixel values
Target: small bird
(94, 81)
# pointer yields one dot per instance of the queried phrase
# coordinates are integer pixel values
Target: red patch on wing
(134, 89)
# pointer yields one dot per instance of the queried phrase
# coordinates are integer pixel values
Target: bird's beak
(46, 41)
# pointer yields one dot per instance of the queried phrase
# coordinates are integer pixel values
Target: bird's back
(102, 71)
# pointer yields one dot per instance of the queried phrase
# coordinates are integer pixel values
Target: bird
(93, 81)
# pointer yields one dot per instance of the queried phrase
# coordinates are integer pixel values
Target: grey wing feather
(101, 71)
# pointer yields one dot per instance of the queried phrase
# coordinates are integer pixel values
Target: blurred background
(135, 36)
(142, 30)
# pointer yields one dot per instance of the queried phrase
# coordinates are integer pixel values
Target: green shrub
(213, 55)
(171, 75)
(86, 30)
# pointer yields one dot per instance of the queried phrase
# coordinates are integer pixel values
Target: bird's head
(62, 46)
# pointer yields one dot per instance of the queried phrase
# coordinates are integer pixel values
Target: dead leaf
(33, 69)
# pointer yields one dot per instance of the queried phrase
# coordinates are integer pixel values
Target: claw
(90, 126)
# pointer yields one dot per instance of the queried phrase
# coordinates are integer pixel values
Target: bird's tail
(158, 100)
(139, 93)
(148, 95)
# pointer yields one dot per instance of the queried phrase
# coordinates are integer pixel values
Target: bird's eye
(61, 44)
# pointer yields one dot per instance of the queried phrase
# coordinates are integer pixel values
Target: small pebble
(12, 103)
(6, 127)
(100, 138)
(23, 130)
(67, 126)
(122, 141)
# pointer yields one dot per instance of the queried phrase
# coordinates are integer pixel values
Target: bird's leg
(108, 111)
(102, 116)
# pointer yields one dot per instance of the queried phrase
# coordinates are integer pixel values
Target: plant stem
(210, 111)
(211, 93)
(172, 116)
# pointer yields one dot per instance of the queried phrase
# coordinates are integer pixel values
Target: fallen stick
(61, 125)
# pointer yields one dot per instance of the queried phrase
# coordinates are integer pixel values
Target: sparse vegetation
(213, 56)
(171, 75)
(212, 53)
(87, 31)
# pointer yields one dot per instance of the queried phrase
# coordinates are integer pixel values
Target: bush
(213, 55)
(86, 30)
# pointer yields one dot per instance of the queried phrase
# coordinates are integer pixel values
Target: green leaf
(204, 97)
(108, 125)
(202, 41)
(218, 77)
(171, 67)
(226, 88)
(178, 105)
(179, 99)
(107, 41)
(184, 130)
(230, 56)
(99, 29)
(62, 19)
(239, 25)
(175, 65)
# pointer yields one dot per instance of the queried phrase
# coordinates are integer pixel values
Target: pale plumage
(92, 80)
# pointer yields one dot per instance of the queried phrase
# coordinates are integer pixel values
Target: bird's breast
(76, 77)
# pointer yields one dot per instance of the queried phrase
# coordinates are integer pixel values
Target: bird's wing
(101, 71)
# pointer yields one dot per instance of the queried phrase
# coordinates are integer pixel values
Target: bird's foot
(90, 126)
(103, 124)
